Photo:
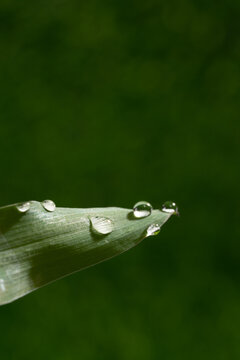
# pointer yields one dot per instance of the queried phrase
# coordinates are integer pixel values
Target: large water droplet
(142, 209)
(49, 205)
(153, 229)
(170, 207)
(24, 207)
(101, 225)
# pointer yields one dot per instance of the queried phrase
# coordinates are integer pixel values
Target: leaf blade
(39, 247)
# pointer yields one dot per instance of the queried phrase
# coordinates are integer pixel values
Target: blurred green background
(106, 103)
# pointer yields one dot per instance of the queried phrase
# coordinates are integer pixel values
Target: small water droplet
(153, 229)
(101, 225)
(24, 207)
(170, 207)
(49, 205)
(142, 209)
(2, 286)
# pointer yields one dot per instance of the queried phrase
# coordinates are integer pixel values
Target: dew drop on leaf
(153, 229)
(24, 207)
(142, 209)
(101, 225)
(170, 207)
(49, 205)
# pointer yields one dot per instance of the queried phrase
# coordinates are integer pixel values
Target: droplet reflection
(2, 286)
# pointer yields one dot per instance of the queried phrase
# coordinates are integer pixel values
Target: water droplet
(101, 225)
(142, 209)
(49, 205)
(24, 207)
(2, 286)
(153, 229)
(170, 207)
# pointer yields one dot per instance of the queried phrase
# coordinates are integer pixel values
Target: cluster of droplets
(142, 209)
(103, 226)
(48, 205)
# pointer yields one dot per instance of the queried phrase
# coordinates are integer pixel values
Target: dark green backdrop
(106, 103)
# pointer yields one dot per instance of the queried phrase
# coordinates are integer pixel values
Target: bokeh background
(105, 103)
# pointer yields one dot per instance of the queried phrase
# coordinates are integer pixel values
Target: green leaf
(40, 243)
